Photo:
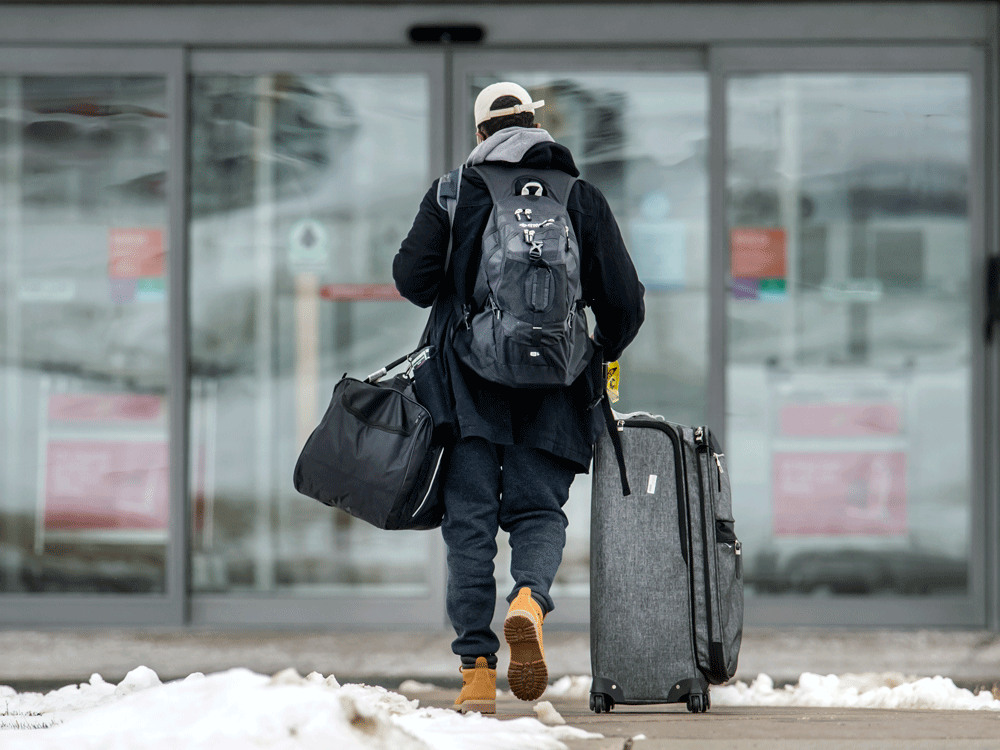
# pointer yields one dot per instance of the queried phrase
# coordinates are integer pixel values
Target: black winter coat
(561, 421)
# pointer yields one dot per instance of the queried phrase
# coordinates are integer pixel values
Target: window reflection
(303, 188)
(849, 330)
(84, 500)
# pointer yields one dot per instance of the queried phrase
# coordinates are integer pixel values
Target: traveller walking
(519, 376)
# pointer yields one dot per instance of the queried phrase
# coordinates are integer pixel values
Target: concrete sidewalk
(45, 660)
(970, 658)
(741, 728)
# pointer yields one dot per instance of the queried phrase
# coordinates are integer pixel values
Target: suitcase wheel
(697, 703)
(600, 702)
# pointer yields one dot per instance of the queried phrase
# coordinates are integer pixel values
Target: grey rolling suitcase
(666, 578)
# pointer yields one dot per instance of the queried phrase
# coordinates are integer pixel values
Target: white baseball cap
(505, 88)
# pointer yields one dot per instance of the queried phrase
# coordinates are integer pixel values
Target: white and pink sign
(840, 420)
(107, 463)
(840, 493)
(106, 485)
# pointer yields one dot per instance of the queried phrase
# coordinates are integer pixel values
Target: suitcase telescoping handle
(616, 440)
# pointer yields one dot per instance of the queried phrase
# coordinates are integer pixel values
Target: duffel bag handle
(379, 374)
(416, 358)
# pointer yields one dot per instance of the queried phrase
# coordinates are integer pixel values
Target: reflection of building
(204, 220)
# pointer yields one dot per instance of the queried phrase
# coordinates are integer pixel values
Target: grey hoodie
(509, 144)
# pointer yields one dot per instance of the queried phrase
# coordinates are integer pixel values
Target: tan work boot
(479, 689)
(522, 628)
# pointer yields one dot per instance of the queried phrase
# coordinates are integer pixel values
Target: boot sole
(483, 707)
(527, 674)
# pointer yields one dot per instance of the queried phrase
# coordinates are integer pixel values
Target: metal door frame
(349, 610)
(946, 611)
(170, 607)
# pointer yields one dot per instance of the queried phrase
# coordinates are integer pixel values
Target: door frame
(969, 610)
(171, 607)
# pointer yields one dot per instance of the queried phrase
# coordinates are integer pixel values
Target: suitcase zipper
(707, 502)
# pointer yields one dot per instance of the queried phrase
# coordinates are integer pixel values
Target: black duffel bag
(374, 454)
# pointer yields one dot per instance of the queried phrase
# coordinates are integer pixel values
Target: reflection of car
(856, 571)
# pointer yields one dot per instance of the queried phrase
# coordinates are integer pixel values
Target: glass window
(303, 187)
(849, 332)
(641, 138)
(84, 477)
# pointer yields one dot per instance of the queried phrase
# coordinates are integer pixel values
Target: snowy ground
(238, 708)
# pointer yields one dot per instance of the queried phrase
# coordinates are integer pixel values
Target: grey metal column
(718, 246)
(992, 390)
(178, 392)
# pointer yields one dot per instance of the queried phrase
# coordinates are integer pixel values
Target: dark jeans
(511, 487)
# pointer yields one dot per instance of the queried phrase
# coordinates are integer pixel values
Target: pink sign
(840, 420)
(104, 408)
(840, 493)
(135, 252)
(104, 485)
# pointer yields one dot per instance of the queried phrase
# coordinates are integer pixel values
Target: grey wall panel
(605, 24)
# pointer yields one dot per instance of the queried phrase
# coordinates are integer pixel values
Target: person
(516, 450)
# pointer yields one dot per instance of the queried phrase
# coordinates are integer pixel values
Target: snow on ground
(239, 708)
(887, 690)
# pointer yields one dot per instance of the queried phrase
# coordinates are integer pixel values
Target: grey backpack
(526, 326)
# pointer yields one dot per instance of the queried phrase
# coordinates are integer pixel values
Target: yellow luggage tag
(614, 376)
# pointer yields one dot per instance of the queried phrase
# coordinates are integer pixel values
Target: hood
(528, 147)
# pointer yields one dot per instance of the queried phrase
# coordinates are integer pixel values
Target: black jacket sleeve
(611, 285)
(418, 267)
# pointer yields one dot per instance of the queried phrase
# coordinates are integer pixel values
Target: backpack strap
(448, 190)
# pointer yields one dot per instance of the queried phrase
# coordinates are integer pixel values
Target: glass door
(848, 224)
(91, 502)
(638, 128)
(307, 171)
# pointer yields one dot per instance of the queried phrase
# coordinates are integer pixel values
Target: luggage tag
(613, 378)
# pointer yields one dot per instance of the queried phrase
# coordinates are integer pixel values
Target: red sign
(135, 253)
(758, 253)
(105, 485)
(840, 493)
(385, 292)
(840, 420)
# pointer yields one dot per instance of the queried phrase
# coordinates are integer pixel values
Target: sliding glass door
(90, 211)
(850, 223)
(637, 126)
(307, 171)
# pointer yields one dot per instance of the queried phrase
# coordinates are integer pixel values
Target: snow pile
(887, 690)
(570, 686)
(547, 714)
(413, 686)
(237, 709)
